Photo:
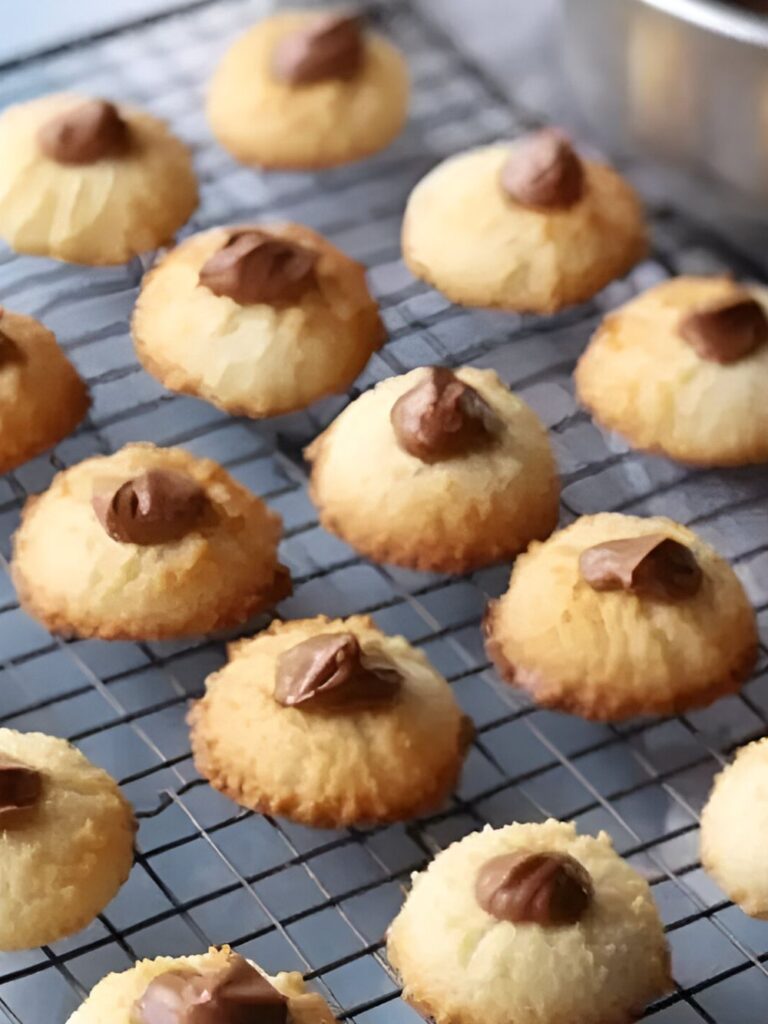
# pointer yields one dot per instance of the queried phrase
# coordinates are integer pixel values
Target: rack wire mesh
(207, 872)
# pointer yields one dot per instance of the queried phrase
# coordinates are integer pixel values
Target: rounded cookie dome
(255, 340)
(116, 996)
(484, 244)
(90, 182)
(147, 543)
(733, 829)
(269, 111)
(436, 469)
(682, 370)
(42, 398)
(67, 838)
(461, 963)
(618, 615)
(329, 722)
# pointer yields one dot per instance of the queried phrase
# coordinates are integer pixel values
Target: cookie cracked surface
(118, 205)
(262, 358)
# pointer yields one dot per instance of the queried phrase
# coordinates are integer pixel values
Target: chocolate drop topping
(652, 566)
(158, 507)
(441, 417)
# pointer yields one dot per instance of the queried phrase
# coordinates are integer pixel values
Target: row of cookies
(517, 227)
(89, 181)
(531, 923)
(524, 899)
(265, 320)
(520, 889)
(437, 469)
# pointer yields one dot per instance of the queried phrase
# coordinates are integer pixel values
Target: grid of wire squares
(319, 901)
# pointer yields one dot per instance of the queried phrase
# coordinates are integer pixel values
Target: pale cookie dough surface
(264, 121)
(64, 858)
(611, 655)
(465, 236)
(460, 965)
(71, 575)
(328, 768)
(450, 516)
(640, 378)
(113, 997)
(100, 213)
(261, 359)
(42, 398)
(734, 824)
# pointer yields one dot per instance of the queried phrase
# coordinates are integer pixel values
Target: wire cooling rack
(207, 872)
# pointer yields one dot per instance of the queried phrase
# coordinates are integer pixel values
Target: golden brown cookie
(207, 987)
(147, 543)
(86, 181)
(530, 923)
(258, 320)
(436, 470)
(304, 90)
(733, 829)
(42, 398)
(616, 616)
(329, 722)
(682, 370)
(67, 839)
(530, 227)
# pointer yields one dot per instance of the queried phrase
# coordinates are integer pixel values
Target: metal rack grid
(207, 872)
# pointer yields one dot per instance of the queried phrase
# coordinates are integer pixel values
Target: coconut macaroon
(146, 543)
(257, 319)
(42, 398)
(304, 90)
(682, 370)
(734, 824)
(217, 987)
(617, 615)
(530, 227)
(330, 722)
(438, 470)
(532, 924)
(67, 839)
(88, 181)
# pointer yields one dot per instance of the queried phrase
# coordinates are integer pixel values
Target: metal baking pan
(682, 81)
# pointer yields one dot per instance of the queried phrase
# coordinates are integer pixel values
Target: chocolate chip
(20, 785)
(255, 266)
(441, 417)
(332, 671)
(89, 132)
(9, 350)
(332, 46)
(543, 171)
(157, 507)
(548, 889)
(650, 566)
(236, 994)
(726, 331)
